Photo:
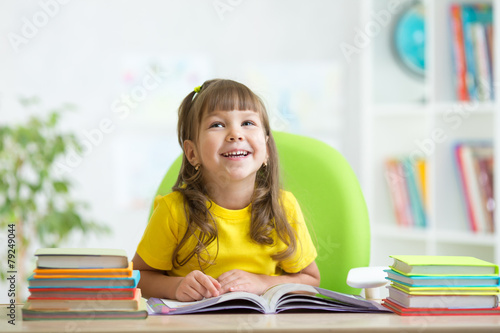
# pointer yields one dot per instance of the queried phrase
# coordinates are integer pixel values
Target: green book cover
(442, 265)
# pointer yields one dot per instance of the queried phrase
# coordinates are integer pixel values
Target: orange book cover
(60, 273)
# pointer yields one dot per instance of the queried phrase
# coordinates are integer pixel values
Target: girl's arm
(238, 280)
(194, 286)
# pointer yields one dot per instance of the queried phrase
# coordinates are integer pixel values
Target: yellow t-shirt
(168, 225)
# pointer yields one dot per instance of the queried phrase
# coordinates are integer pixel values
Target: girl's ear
(191, 152)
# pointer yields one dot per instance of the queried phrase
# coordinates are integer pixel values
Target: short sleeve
(305, 252)
(160, 237)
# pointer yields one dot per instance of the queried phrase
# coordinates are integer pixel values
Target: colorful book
(95, 294)
(397, 188)
(81, 258)
(483, 164)
(484, 88)
(446, 290)
(484, 17)
(442, 281)
(101, 282)
(473, 160)
(404, 311)
(468, 19)
(442, 265)
(472, 189)
(442, 301)
(406, 179)
(92, 314)
(44, 273)
(85, 304)
(414, 193)
(457, 36)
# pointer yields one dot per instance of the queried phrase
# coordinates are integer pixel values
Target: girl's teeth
(236, 153)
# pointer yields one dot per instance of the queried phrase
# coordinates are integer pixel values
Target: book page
(273, 294)
(195, 306)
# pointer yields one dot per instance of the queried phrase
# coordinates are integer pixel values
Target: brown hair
(267, 212)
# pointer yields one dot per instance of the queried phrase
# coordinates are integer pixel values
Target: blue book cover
(442, 281)
(468, 19)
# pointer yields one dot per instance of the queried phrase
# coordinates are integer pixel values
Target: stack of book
(83, 284)
(442, 285)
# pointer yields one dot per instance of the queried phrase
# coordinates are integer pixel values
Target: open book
(282, 297)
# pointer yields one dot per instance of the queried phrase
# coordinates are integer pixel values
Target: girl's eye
(248, 123)
(217, 124)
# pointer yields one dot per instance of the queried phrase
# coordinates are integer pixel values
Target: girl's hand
(238, 280)
(197, 285)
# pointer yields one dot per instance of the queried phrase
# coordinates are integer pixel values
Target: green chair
(331, 200)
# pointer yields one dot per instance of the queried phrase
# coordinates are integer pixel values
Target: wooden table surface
(285, 322)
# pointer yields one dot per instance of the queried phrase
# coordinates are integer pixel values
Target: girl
(227, 225)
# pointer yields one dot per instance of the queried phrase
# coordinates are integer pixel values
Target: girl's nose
(234, 135)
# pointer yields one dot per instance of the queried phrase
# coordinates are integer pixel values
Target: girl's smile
(236, 154)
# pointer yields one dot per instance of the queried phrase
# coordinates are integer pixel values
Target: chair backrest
(332, 202)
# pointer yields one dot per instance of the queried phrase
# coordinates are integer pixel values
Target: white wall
(92, 53)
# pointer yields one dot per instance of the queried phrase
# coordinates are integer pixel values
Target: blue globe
(409, 38)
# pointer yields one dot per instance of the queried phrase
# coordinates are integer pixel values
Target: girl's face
(232, 146)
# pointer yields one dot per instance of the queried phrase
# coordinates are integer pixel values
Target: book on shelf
(443, 281)
(471, 29)
(62, 289)
(474, 165)
(406, 179)
(279, 298)
(442, 285)
(458, 51)
(81, 258)
(442, 266)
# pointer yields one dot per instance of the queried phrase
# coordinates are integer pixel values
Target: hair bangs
(229, 96)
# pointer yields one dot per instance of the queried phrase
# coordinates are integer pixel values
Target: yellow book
(421, 167)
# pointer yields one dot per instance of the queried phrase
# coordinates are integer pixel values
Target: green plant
(34, 196)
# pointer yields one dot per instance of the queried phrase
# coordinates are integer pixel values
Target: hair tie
(197, 89)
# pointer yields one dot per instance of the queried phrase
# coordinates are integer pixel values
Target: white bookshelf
(399, 112)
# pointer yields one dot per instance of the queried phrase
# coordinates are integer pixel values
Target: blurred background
(126, 66)
(354, 74)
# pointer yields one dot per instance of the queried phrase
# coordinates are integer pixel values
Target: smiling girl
(227, 225)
